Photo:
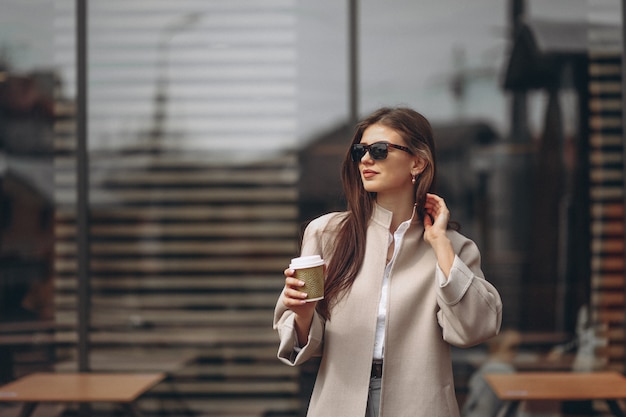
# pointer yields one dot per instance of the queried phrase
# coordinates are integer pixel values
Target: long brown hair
(349, 245)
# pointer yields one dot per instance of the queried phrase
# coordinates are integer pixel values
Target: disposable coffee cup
(310, 270)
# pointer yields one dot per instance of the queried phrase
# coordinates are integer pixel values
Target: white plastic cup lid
(306, 262)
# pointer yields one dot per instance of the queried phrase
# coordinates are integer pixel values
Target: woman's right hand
(295, 300)
(293, 297)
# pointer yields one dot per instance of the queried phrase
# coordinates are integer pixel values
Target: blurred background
(215, 130)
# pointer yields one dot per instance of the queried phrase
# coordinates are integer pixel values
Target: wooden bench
(120, 388)
(557, 386)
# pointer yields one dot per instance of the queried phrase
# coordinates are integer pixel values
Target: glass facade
(215, 130)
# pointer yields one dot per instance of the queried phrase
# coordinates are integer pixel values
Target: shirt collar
(383, 217)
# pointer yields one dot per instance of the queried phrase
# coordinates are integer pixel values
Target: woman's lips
(368, 173)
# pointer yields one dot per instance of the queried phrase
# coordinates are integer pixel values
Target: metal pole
(82, 187)
(519, 122)
(624, 135)
(353, 64)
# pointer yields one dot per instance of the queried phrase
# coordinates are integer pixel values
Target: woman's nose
(366, 158)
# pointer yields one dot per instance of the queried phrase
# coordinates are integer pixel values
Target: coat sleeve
(470, 308)
(288, 350)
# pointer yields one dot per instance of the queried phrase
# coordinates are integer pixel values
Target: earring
(413, 178)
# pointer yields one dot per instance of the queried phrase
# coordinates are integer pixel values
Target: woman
(401, 287)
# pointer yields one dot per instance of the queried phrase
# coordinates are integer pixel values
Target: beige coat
(423, 320)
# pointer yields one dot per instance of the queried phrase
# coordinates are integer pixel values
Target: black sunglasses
(378, 151)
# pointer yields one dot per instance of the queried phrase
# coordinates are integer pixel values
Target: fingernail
(301, 283)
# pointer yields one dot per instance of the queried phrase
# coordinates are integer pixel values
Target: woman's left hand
(436, 218)
(436, 221)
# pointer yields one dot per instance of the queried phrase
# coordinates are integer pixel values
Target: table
(141, 361)
(558, 386)
(120, 388)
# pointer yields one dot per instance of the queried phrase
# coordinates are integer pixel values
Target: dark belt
(377, 370)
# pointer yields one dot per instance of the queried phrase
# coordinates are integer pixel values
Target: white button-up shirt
(397, 236)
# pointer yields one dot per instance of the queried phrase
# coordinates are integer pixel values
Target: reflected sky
(410, 54)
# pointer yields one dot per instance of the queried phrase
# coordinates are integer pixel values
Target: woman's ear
(419, 165)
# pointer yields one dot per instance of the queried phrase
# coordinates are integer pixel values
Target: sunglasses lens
(357, 152)
(378, 151)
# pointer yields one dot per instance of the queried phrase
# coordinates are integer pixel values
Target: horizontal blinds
(606, 183)
(193, 193)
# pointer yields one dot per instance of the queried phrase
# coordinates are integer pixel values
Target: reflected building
(575, 255)
(193, 190)
(26, 212)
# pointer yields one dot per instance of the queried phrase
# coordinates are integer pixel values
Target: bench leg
(615, 408)
(27, 409)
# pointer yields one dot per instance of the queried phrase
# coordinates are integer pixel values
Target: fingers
(435, 202)
(436, 217)
(435, 206)
(292, 296)
(428, 220)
